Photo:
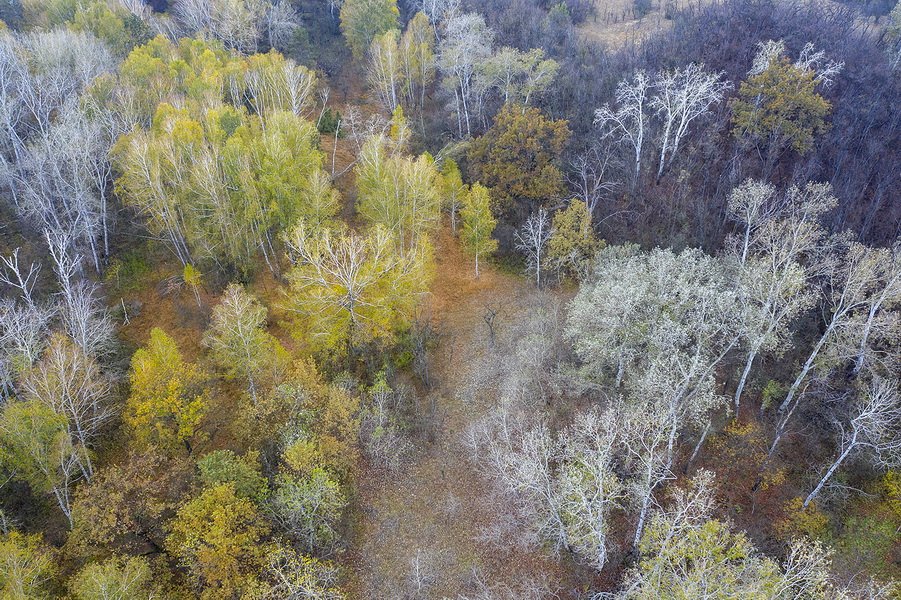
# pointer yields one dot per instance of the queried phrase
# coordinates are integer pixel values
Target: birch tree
(532, 240)
(417, 49)
(281, 23)
(776, 253)
(239, 342)
(221, 186)
(629, 123)
(27, 566)
(350, 288)
(518, 76)
(682, 96)
(478, 223)
(385, 63)
(273, 83)
(398, 191)
(296, 576)
(453, 190)
(466, 45)
(873, 429)
(114, 579)
(439, 12)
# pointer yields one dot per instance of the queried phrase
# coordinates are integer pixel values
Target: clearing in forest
(421, 529)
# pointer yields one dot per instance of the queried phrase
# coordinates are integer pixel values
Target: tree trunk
(831, 471)
(807, 366)
(700, 443)
(744, 378)
(642, 516)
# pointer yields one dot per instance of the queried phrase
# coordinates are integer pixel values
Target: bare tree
(23, 333)
(424, 571)
(532, 240)
(70, 382)
(641, 309)
(282, 22)
(86, 320)
(681, 97)
(55, 158)
(15, 276)
(519, 454)
(752, 205)
(588, 484)
(66, 261)
(588, 177)
(877, 320)
(775, 261)
(874, 428)
(466, 44)
(61, 63)
(239, 24)
(628, 123)
(852, 283)
(440, 12)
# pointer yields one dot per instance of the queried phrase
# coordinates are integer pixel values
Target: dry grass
(436, 507)
(162, 301)
(615, 23)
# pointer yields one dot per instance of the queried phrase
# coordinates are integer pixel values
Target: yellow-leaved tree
(779, 106)
(349, 288)
(363, 20)
(397, 190)
(220, 538)
(573, 242)
(478, 223)
(167, 400)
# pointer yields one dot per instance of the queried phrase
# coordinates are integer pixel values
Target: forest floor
(420, 529)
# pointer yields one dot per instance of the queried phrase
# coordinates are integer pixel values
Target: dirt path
(420, 527)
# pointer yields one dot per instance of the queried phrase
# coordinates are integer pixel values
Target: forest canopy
(450, 299)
